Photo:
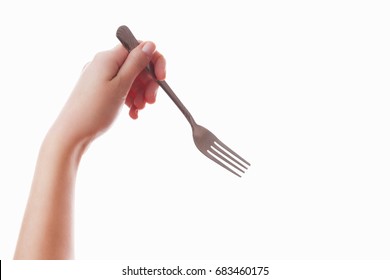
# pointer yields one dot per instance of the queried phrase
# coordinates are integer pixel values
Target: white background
(299, 88)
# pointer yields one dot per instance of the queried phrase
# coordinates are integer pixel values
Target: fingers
(122, 73)
(139, 100)
(119, 55)
(106, 64)
(117, 62)
(151, 92)
(143, 90)
(133, 113)
(159, 63)
(135, 62)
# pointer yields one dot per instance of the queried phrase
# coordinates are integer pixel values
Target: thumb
(135, 62)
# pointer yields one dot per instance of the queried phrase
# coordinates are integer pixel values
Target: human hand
(111, 79)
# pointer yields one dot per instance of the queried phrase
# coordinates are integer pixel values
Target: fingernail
(155, 95)
(148, 48)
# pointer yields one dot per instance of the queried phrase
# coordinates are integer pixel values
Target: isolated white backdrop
(299, 88)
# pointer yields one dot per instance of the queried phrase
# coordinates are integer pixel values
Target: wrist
(61, 143)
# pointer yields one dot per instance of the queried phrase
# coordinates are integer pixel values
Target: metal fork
(205, 141)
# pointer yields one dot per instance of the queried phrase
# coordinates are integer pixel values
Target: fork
(205, 140)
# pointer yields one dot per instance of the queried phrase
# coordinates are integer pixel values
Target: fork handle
(130, 42)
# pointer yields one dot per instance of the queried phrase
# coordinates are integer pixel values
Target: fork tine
(218, 148)
(219, 142)
(227, 164)
(220, 154)
(211, 155)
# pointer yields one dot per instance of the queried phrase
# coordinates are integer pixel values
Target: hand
(112, 79)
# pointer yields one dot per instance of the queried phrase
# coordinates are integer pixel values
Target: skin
(113, 78)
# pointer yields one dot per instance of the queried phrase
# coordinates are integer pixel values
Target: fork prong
(220, 143)
(217, 147)
(220, 154)
(211, 155)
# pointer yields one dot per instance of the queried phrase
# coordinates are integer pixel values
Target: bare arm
(47, 229)
(112, 79)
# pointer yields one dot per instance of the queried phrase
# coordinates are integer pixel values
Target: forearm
(47, 228)
(96, 100)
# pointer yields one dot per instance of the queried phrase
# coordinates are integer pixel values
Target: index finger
(159, 63)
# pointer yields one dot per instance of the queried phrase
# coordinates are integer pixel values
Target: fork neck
(164, 85)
